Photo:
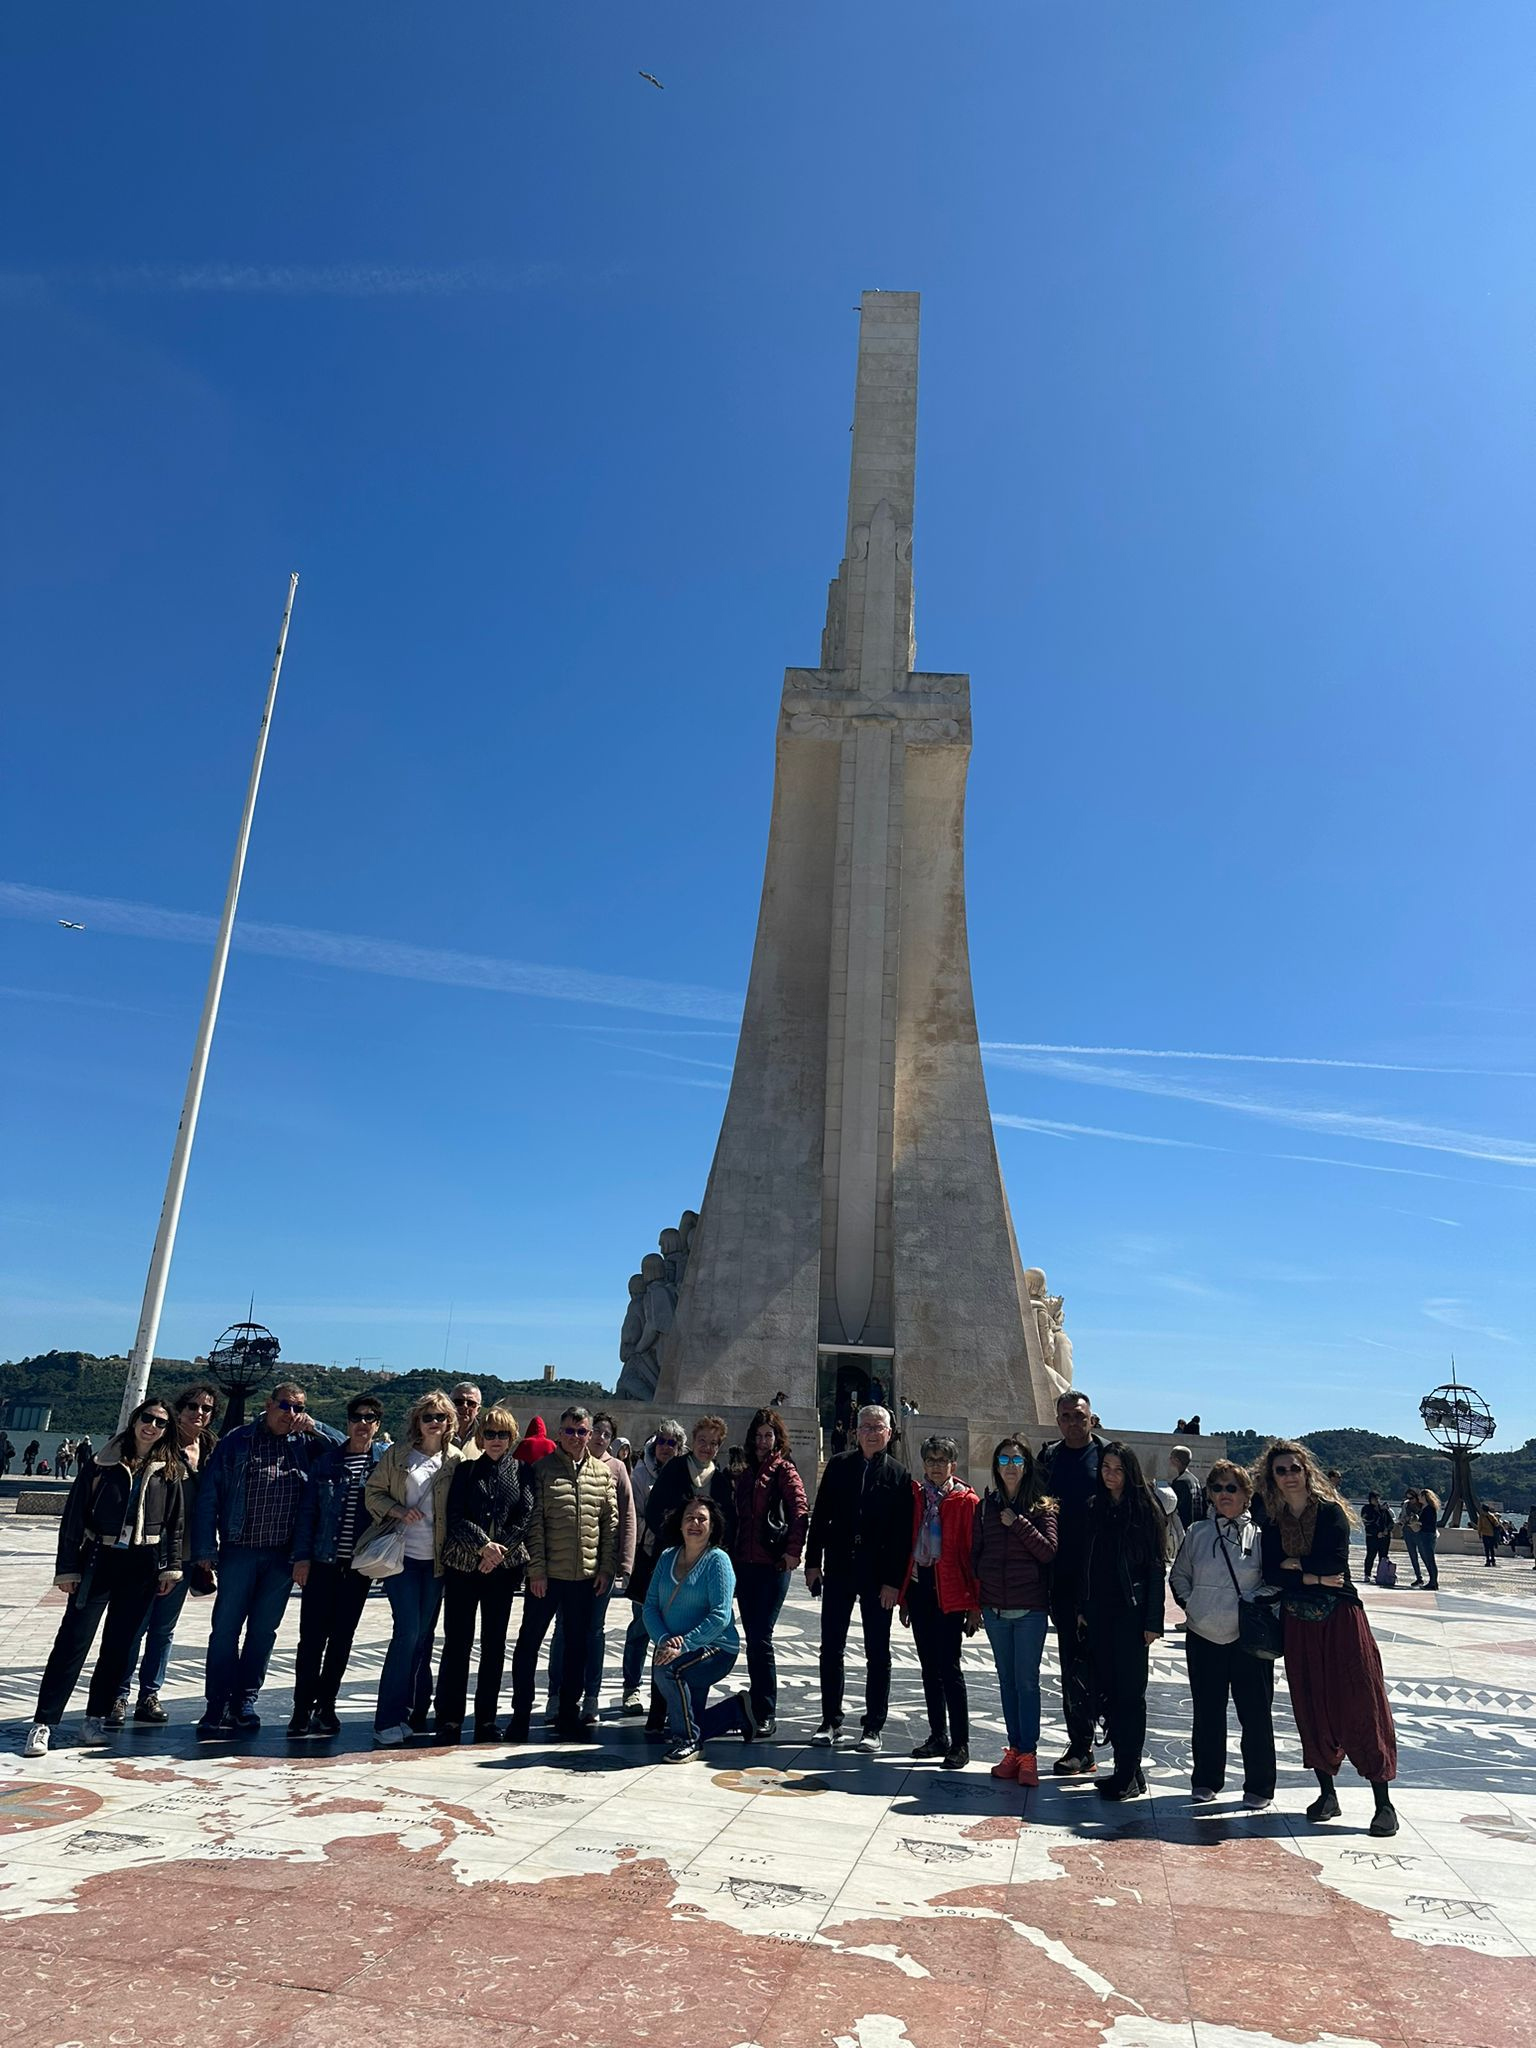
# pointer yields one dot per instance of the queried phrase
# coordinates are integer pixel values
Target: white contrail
(1052, 1129)
(1338, 1123)
(1251, 1059)
(294, 280)
(376, 956)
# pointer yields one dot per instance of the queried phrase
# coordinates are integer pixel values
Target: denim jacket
(219, 1516)
(319, 1522)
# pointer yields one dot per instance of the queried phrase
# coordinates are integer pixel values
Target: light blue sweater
(697, 1608)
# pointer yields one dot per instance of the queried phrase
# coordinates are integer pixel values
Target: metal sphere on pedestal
(1460, 1422)
(242, 1360)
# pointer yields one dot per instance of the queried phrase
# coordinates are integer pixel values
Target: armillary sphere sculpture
(1460, 1422)
(242, 1360)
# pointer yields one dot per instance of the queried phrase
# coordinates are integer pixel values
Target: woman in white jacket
(1217, 1567)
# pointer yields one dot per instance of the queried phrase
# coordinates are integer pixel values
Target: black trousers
(466, 1596)
(577, 1600)
(839, 1597)
(937, 1638)
(330, 1607)
(1217, 1672)
(1119, 1655)
(1376, 1548)
(120, 1584)
(1077, 1678)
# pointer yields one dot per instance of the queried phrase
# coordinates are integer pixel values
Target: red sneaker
(1028, 1771)
(1007, 1765)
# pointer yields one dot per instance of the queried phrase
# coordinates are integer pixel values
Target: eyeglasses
(1012, 1459)
(574, 1429)
(496, 1436)
(1222, 1486)
(291, 1407)
(1287, 1471)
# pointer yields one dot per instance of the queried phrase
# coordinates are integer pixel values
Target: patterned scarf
(1297, 1531)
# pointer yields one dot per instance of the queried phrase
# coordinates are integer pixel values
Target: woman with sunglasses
(1332, 1665)
(410, 1484)
(1012, 1551)
(489, 1503)
(1219, 1566)
(120, 1544)
(194, 1409)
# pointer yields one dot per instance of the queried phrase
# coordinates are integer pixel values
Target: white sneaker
(635, 1702)
(93, 1729)
(389, 1738)
(828, 1735)
(868, 1743)
(36, 1743)
(1252, 1803)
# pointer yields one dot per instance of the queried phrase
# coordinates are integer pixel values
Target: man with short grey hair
(467, 1402)
(572, 1540)
(857, 1554)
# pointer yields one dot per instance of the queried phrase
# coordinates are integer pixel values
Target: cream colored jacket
(386, 1490)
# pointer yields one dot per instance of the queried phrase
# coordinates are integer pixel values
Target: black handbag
(1260, 1630)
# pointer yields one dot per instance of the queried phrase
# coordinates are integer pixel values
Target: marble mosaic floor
(774, 1897)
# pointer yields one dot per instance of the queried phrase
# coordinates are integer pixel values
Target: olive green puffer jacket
(573, 1531)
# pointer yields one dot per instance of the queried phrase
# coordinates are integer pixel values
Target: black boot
(1384, 1819)
(1326, 1805)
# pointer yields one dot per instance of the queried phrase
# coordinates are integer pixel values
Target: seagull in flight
(651, 79)
(70, 925)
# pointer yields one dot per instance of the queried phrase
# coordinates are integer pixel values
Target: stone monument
(855, 1230)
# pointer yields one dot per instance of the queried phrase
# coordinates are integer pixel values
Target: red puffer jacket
(956, 1578)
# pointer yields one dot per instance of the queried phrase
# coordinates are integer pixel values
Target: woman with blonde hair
(489, 1503)
(1430, 1512)
(1332, 1665)
(410, 1484)
(1219, 1566)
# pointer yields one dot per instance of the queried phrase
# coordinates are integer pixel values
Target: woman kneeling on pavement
(688, 1619)
(939, 1598)
(1332, 1665)
(1219, 1566)
(1122, 1586)
(1012, 1553)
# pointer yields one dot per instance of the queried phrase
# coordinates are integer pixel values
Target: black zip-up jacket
(1328, 1556)
(862, 1530)
(1136, 1570)
(98, 1505)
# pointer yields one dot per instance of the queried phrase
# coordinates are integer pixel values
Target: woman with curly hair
(1332, 1664)
(771, 1521)
(1122, 1589)
(410, 1484)
(120, 1544)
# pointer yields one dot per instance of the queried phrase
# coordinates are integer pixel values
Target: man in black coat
(857, 1553)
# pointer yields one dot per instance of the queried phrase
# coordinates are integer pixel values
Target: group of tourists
(463, 1513)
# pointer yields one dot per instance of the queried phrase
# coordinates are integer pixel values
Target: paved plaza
(776, 1897)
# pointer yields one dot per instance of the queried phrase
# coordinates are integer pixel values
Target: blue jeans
(155, 1641)
(253, 1591)
(760, 1593)
(684, 1685)
(592, 1663)
(1016, 1648)
(415, 1595)
(1427, 1553)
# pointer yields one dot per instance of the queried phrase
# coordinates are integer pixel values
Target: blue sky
(541, 378)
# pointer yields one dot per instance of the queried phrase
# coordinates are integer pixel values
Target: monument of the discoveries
(855, 1229)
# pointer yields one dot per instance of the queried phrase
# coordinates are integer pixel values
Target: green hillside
(1390, 1464)
(84, 1391)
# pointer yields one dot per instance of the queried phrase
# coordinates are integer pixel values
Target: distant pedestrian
(1376, 1520)
(1430, 1513)
(7, 1453)
(856, 1555)
(63, 1457)
(536, 1444)
(1121, 1588)
(410, 1485)
(1013, 1549)
(29, 1457)
(1218, 1567)
(332, 1521)
(940, 1599)
(1332, 1665)
(1185, 1493)
(1491, 1532)
(120, 1544)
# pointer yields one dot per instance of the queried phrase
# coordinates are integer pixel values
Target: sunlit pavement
(160, 1892)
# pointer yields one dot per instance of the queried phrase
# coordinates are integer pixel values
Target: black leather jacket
(862, 1528)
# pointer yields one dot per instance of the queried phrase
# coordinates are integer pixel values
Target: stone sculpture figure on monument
(634, 1322)
(657, 1302)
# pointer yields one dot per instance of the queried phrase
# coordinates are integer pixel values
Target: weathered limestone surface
(855, 1198)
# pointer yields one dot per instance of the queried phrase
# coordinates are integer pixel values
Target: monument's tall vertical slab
(855, 1213)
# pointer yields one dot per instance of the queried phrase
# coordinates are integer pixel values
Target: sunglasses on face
(496, 1436)
(155, 1421)
(291, 1407)
(196, 1408)
(1014, 1459)
(673, 1442)
(367, 1418)
(437, 1421)
(465, 1401)
(1222, 1486)
(1288, 1471)
(571, 1429)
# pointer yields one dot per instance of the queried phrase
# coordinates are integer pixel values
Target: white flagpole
(143, 1354)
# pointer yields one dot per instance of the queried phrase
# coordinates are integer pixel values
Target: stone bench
(51, 1503)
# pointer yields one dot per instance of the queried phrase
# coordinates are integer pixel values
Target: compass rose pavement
(776, 1896)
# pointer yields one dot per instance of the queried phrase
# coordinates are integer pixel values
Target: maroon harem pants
(1338, 1695)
